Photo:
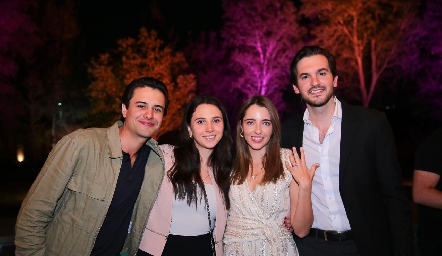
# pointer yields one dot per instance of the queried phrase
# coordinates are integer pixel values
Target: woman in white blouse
(189, 215)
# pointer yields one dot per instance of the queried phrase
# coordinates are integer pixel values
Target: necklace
(253, 176)
(207, 176)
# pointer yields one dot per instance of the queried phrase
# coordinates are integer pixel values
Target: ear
(335, 82)
(123, 110)
(296, 89)
(189, 130)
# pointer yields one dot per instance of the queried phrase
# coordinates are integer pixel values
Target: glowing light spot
(20, 154)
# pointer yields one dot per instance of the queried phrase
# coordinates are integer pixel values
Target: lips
(211, 137)
(147, 123)
(316, 89)
(257, 139)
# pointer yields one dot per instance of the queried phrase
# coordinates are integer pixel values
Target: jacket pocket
(76, 221)
(92, 189)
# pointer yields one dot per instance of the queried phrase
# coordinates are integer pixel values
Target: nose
(315, 80)
(148, 114)
(209, 127)
(258, 129)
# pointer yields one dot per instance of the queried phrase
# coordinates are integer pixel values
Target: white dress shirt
(328, 209)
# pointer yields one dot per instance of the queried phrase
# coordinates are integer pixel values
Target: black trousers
(185, 245)
(429, 244)
(311, 246)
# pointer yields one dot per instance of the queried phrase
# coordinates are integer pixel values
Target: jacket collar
(114, 142)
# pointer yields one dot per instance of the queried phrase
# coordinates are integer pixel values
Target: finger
(288, 165)
(292, 161)
(302, 154)
(285, 221)
(315, 167)
(296, 156)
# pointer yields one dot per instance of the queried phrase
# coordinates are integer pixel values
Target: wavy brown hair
(272, 160)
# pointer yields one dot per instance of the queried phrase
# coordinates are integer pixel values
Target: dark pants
(430, 244)
(185, 245)
(311, 246)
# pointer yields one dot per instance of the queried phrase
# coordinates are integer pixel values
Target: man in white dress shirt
(359, 204)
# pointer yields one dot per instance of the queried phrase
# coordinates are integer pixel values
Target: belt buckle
(325, 234)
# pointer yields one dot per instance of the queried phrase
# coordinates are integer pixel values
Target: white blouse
(190, 220)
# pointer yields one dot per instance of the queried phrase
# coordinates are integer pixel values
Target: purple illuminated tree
(18, 41)
(367, 36)
(209, 59)
(263, 36)
(429, 71)
(35, 48)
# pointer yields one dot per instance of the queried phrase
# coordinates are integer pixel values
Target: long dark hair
(185, 173)
(272, 161)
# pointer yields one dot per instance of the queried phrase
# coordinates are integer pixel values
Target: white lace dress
(255, 220)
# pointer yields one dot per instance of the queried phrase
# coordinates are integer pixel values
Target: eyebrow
(253, 119)
(319, 70)
(199, 118)
(145, 103)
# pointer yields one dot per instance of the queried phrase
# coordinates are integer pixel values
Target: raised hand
(302, 175)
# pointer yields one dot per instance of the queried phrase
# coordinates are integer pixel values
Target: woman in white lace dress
(268, 183)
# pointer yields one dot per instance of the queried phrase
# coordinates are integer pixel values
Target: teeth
(257, 139)
(316, 90)
(209, 137)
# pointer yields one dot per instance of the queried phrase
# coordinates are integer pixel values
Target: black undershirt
(113, 232)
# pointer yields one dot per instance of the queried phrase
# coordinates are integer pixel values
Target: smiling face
(257, 127)
(315, 81)
(144, 115)
(206, 126)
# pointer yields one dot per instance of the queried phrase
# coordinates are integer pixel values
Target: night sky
(103, 22)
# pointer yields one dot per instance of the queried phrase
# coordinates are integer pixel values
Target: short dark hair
(308, 51)
(141, 83)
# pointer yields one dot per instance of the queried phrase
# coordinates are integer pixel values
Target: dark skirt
(185, 245)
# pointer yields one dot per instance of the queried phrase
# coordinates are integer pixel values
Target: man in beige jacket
(96, 189)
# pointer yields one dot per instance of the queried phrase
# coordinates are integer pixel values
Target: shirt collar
(336, 114)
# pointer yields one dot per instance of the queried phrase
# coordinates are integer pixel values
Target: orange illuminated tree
(145, 56)
(367, 36)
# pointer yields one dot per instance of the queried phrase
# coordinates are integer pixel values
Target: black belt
(331, 235)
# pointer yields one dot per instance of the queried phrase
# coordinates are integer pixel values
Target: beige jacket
(66, 206)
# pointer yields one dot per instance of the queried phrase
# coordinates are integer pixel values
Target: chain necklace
(253, 176)
(205, 176)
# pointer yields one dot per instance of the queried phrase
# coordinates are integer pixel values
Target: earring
(190, 135)
(241, 134)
